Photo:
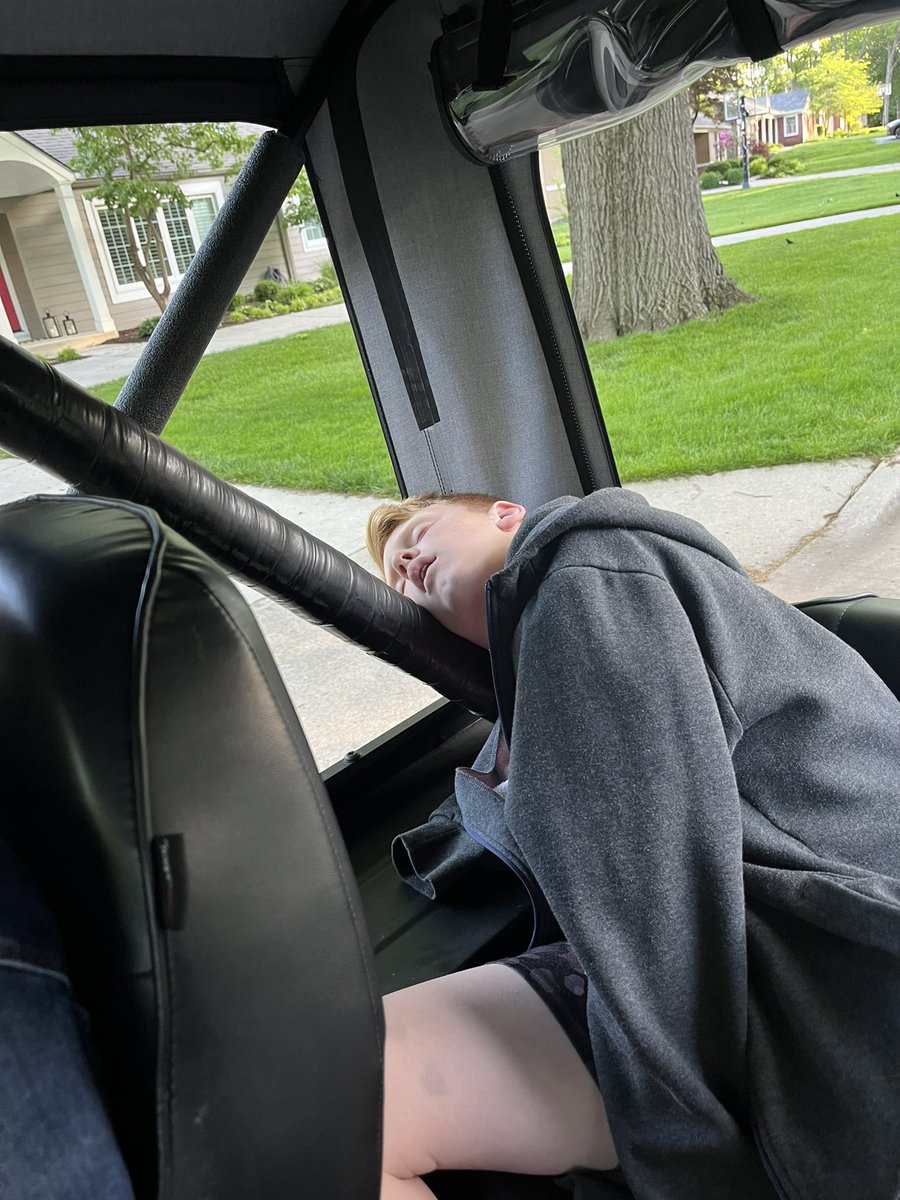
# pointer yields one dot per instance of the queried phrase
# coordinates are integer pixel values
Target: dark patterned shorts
(556, 975)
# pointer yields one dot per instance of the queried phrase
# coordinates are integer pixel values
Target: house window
(183, 246)
(181, 227)
(112, 224)
(313, 236)
(791, 126)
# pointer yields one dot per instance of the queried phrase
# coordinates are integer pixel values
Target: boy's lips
(419, 570)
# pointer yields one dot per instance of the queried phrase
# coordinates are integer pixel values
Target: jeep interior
(231, 915)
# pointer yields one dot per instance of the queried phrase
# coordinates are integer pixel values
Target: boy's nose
(403, 560)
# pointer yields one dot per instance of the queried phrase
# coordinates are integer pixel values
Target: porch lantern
(69, 325)
(50, 326)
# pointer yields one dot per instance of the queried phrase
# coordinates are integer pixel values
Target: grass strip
(804, 374)
(777, 203)
(842, 154)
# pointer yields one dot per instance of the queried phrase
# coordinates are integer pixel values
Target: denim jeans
(56, 1142)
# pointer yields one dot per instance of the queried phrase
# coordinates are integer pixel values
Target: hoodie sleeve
(623, 800)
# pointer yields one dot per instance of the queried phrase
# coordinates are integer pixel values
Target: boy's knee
(405, 1152)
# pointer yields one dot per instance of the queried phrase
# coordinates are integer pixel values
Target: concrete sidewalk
(109, 361)
(751, 235)
(801, 531)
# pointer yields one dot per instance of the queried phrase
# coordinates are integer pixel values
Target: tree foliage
(706, 93)
(137, 167)
(300, 207)
(840, 87)
(876, 47)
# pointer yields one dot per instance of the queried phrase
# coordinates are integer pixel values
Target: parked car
(893, 127)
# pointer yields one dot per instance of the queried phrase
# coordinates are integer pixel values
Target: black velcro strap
(371, 228)
(753, 22)
(494, 37)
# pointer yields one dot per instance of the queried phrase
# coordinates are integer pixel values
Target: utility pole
(745, 149)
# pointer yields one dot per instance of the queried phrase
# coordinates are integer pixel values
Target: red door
(8, 307)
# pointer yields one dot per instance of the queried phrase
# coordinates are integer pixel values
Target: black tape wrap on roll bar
(46, 419)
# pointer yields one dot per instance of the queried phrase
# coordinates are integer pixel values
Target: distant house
(783, 118)
(709, 143)
(64, 256)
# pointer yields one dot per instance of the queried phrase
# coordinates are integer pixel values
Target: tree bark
(145, 273)
(642, 258)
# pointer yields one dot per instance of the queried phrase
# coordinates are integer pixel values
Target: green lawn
(293, 413)
(733, 211)
(841, 154)
(772, 204)
(806, 373)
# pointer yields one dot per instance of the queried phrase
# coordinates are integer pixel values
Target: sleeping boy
(704, 791)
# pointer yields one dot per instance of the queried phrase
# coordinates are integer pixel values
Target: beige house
(63, 260)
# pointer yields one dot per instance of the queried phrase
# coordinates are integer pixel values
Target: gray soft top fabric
(704, 791)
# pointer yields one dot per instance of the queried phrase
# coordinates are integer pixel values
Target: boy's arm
(623, 800)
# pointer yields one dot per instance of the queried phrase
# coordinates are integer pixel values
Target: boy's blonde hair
(384, 519)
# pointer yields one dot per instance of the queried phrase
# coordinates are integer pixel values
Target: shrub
(734, 176)
(710, 179)
(280, 309)
(236, 301)
(719, 167)
(238, 318)
(297, 291)
(255, 312)
(329, 274)
(68, 354)
(266, 289)
(301, 303)
(147, 326)
(761, 150)
(783, 166)
(758, 165)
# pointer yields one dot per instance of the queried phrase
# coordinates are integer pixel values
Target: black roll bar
(226, 254)
(48, 420)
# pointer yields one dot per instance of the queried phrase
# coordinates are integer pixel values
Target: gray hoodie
(704, 792)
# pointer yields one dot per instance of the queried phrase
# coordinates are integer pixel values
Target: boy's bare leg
(480, 1076)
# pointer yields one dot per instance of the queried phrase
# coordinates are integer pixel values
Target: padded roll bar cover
(870, 624)
(47, 419)
(242, 1052)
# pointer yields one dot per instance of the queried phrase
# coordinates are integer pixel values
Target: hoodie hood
(610, 521)
(609, 508)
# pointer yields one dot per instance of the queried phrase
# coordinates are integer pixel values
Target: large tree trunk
(642, 258)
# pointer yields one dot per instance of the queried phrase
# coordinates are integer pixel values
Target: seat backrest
(870, 624)
(159, 786)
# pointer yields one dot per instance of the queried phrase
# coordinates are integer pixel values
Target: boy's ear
(508, 516)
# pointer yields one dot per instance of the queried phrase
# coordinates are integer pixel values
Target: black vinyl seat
(870, 624)
(159, 787)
